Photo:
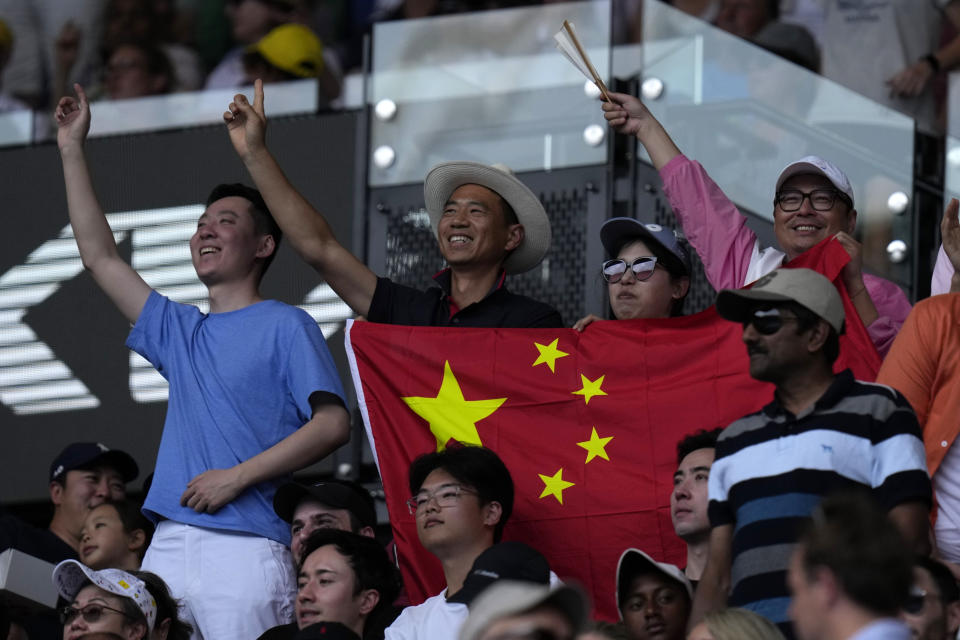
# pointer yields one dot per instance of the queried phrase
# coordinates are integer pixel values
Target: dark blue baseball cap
(86, 455)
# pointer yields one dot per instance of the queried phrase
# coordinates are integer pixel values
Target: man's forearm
(93, 235)
(327, 430)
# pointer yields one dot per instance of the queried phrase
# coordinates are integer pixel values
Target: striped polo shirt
(772, 468)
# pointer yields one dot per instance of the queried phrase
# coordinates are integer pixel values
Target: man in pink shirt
(813, 201)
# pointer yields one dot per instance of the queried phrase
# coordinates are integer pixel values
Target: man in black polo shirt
(488, 225)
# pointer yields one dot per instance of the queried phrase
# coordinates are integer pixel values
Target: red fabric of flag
(587, 424)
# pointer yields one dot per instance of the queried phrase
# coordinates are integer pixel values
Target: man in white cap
(813, 200)
(822, 432)
(512, 609)
(653, 598)
(488, 225)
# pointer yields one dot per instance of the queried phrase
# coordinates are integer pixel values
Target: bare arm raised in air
(307, 230)
(98, 250)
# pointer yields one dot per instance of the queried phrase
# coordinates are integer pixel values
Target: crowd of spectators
(809, 518)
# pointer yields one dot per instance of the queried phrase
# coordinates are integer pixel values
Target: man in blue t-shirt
(254, 395)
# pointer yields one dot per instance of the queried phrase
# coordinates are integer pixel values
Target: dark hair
(263, 222)
(702, 439)
(852, 537)
(367, 558)
(806, 320)
(132, 518)
(477, 467)
(167, 606)
(509, 214)
(157, 62)
(942, 576)
(773, 9)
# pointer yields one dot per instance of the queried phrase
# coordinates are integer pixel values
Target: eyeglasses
(791, 200)
(91, 613)
(445, 496)
(642, 268)
(767, 321)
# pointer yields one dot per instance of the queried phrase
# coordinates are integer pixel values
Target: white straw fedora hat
(445, 178)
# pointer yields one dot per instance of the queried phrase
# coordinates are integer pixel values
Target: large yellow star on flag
(450, 415)
(595, 446)
(554, 485)
(549, 354)
(590, 388)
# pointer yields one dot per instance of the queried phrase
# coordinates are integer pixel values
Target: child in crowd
(115, 535)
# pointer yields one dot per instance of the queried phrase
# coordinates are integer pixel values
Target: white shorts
(231, 586)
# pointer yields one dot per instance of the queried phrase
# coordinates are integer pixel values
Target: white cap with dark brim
(445, 178)
(632, 559)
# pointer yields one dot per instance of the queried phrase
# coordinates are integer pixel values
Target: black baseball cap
(85, 455)
(339, 494)
(503, 561)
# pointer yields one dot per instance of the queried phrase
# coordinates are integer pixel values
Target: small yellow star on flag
(595, 446)
(590, 388)
(549, 354)
(554, 485)
(450, 415)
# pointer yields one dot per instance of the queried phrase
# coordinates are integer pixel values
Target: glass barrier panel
(745, 113)
(16, 127)
(488, 87)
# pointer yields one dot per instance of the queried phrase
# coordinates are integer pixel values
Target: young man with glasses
(822, 432)
(462, 499)
(813, 201)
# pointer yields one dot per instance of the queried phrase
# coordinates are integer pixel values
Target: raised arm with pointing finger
(813, 200)
(305, 227)
(488, 225)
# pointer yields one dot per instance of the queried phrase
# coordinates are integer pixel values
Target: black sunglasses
(767, 321)
(91, 613)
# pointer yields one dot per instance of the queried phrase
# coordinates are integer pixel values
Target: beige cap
(806, 287)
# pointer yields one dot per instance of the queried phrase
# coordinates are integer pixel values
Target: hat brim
(69, 577)
(119, 460)
(445, 178)
(736, 304)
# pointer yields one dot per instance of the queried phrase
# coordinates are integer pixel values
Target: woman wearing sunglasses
(649, 273)
(115, 604)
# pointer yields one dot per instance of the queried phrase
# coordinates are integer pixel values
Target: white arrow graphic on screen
(33, 380)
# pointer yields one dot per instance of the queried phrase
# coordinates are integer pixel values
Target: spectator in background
(115, 535)
(706, 10)
(932, 610)
(759, 22)
(7, 101)
(653, 597)
(735, 624)
(649, 275)
(850, 573)
(689, 498)
(83, 476)
(137, 70)
(290, 52)
(250, 20)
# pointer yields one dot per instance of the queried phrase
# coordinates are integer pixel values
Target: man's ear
(368, 600)
(367, 531)
(266, 247)
(492, 512)
(515, 235)
(56, 493)
(851, 221)
(818, 336)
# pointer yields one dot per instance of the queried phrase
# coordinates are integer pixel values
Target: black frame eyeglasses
(91, 613)
(767, 321)
(445, 496)
(643, 267)
(790, 200)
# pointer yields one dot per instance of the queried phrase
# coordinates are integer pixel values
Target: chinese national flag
(587, 423)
